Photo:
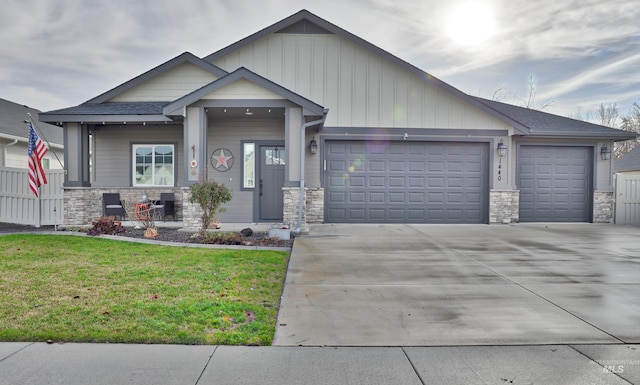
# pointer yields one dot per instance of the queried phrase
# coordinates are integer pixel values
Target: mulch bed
(173, 235)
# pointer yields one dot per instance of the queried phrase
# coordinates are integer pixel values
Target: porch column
(195, 145)
(293, 122)
(76, 155)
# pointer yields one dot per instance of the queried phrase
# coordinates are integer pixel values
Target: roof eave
(26, 140)
(616, 137)
(70, 118)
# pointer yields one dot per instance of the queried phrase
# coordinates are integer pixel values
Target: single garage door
(406, 182)
(555, 183)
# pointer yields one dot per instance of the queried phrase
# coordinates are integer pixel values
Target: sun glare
(471, 23)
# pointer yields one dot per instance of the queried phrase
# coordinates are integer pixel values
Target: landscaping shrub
(106, 225)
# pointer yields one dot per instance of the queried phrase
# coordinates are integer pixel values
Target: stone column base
(603, 207)
(312, 208)
(504, 206)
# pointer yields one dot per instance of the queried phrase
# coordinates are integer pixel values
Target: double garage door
(406, 182)
(442, 182)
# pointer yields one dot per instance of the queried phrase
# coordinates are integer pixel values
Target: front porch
(83, 205)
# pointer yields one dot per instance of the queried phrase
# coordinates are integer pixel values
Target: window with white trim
(249, 166)
(153, 164)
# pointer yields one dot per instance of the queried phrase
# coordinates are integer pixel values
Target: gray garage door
(555, 183)
(406, 182)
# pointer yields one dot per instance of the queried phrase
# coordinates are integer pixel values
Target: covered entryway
(406, 182)
(555, 183)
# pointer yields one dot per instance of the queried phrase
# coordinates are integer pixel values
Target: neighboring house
(628, 162)
(304, 105)
(627, 193)
(14, 137)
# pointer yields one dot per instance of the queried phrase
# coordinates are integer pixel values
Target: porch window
(153, 164)
(249, 165)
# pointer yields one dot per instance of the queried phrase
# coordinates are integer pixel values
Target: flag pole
(39, 224)
(36, 151)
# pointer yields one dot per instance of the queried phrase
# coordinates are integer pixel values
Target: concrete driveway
(451, 285)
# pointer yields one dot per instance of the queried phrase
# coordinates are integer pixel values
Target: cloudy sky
(60, 53)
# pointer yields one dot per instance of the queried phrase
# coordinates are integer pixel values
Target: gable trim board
(186, 57)
(177, 107)
(427, 118)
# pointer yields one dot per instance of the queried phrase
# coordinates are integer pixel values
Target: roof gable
(243, 89)
(162, 69)
(304, 26)
(206, 92)
(308, 22)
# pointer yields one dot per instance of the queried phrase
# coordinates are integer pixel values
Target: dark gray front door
(555, 183)
(271, 182)
(406, 182)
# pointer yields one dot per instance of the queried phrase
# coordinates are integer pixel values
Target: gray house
(306, 122)
(14, 136)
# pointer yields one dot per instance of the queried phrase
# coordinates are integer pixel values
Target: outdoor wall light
(502, 149)
(605, 152)
(248, 112)
(313, 146)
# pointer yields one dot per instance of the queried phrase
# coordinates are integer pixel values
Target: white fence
(19, 205)
(628, 198)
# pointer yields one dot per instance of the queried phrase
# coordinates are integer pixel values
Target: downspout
(303, 154)
(4, 159)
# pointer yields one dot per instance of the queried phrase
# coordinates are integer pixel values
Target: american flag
(37, 149)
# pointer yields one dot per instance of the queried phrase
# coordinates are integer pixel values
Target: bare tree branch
(630, 122)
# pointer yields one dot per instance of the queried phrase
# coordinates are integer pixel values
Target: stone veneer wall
(504, 206)
(313, 207)
(191, 212)
(603, 207)
(83, 205)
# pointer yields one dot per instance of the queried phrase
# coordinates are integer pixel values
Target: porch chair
(167, 200)
(112, 205)
(164, 207)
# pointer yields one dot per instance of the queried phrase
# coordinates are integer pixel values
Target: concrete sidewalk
(97, 364)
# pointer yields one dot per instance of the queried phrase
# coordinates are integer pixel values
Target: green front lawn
(80, 289)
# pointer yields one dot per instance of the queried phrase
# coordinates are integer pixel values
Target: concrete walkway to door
(453, 285)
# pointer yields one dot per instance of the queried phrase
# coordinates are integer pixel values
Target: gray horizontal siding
(112, 151)
(229, 134)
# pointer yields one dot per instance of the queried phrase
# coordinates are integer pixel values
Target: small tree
(210, 195)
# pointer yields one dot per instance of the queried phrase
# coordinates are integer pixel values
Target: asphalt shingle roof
(540, 122)
(629, 161)
(119, 108)
(13, 115)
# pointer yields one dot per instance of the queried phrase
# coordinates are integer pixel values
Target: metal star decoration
(222, 159)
